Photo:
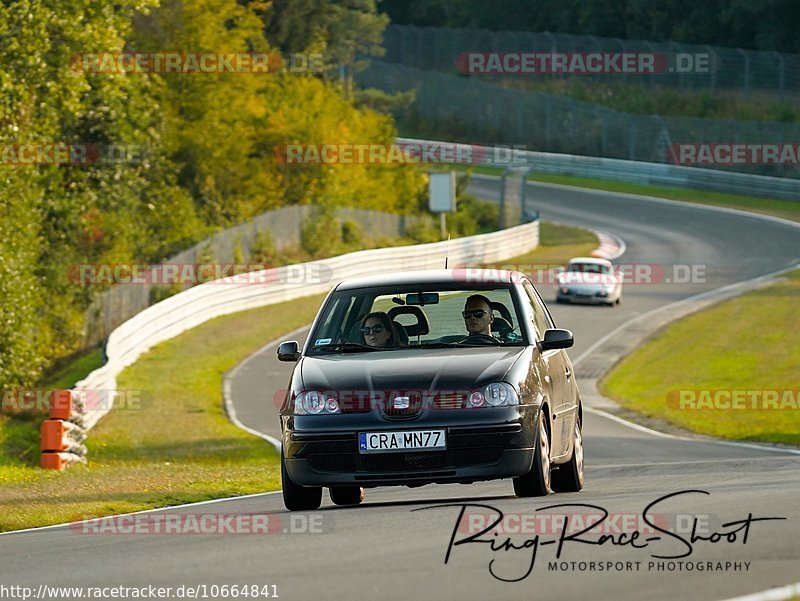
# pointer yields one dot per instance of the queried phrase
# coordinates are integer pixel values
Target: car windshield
(588, 268)
(398, 318)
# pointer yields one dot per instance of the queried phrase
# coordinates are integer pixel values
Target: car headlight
(316, 403)
(496, 394)
(564, 290)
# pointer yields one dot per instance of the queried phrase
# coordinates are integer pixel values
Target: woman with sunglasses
(377, 330)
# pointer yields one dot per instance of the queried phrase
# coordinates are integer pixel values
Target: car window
(429, 323)
(539, 317)
(588, 268)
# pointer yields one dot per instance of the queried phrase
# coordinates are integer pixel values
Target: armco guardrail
(447, 105)
(77, 412)
(635, 172)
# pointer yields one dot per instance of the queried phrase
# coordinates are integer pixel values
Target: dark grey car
(440, 405)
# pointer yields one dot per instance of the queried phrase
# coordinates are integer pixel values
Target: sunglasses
(473, 313)
(377, 329)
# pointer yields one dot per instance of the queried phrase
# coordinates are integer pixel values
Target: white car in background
(589, 280)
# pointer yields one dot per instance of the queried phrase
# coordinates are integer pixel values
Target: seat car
(438, 404)
(589, 280)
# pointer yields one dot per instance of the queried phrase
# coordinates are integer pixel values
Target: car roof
(468, 277)
(594, 260)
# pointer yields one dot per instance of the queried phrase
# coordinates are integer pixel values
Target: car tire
(296, 497)
(570, 476)
(347, 495)
(536, 483)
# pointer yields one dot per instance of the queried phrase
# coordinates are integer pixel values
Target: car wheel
(536, 483)
(347, 495)
(569, 477)
(296, 497)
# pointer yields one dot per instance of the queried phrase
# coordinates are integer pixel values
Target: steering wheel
(480, 339)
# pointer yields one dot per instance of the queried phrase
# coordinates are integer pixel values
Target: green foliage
(159, 293)
(351, 233)
(473, 216)
(321, 232)
(262, 250)
(206, 145)
(339, 30)
(424, 230)
(764, 25)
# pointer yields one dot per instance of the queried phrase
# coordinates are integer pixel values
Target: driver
(478, 316)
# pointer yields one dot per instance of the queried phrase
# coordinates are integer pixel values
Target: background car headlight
(500, 394)
(316, 403)
(564, 290)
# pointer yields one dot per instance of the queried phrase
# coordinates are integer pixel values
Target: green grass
(747, 343)
(19, 431)
(74, 369)
(178, 446)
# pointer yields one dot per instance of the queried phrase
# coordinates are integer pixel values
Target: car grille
(363, 401)
(449, 400)
(403, 462)
(402, 405)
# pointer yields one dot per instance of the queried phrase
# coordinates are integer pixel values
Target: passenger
(478, 316)
(377, 330)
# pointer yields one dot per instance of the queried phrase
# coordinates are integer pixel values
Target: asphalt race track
(385, 549)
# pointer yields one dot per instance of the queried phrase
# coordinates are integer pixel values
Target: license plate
(387, 442)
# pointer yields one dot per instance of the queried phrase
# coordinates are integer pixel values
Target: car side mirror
(556, 339)
(288, 351)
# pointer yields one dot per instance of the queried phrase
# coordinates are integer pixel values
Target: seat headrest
(420, 328)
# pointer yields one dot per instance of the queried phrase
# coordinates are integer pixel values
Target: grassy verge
(178, 446)
(19, 432)
(749, 343)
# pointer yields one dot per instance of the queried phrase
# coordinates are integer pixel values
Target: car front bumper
(475, 452)
(589, 297)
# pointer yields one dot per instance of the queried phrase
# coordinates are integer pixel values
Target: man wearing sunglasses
(478, 316)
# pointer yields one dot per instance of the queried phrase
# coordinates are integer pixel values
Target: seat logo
(401, 402)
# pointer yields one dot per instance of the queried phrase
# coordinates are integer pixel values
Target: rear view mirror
(288, 351)
(556, 339)
(422, 298)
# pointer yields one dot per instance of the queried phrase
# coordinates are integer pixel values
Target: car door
(562, 403)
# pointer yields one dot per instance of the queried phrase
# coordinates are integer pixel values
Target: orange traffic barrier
(61, 404)
(61, 439)
(58, 461)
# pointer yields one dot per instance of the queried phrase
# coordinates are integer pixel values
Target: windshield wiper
(436, 345)
(345, 347)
